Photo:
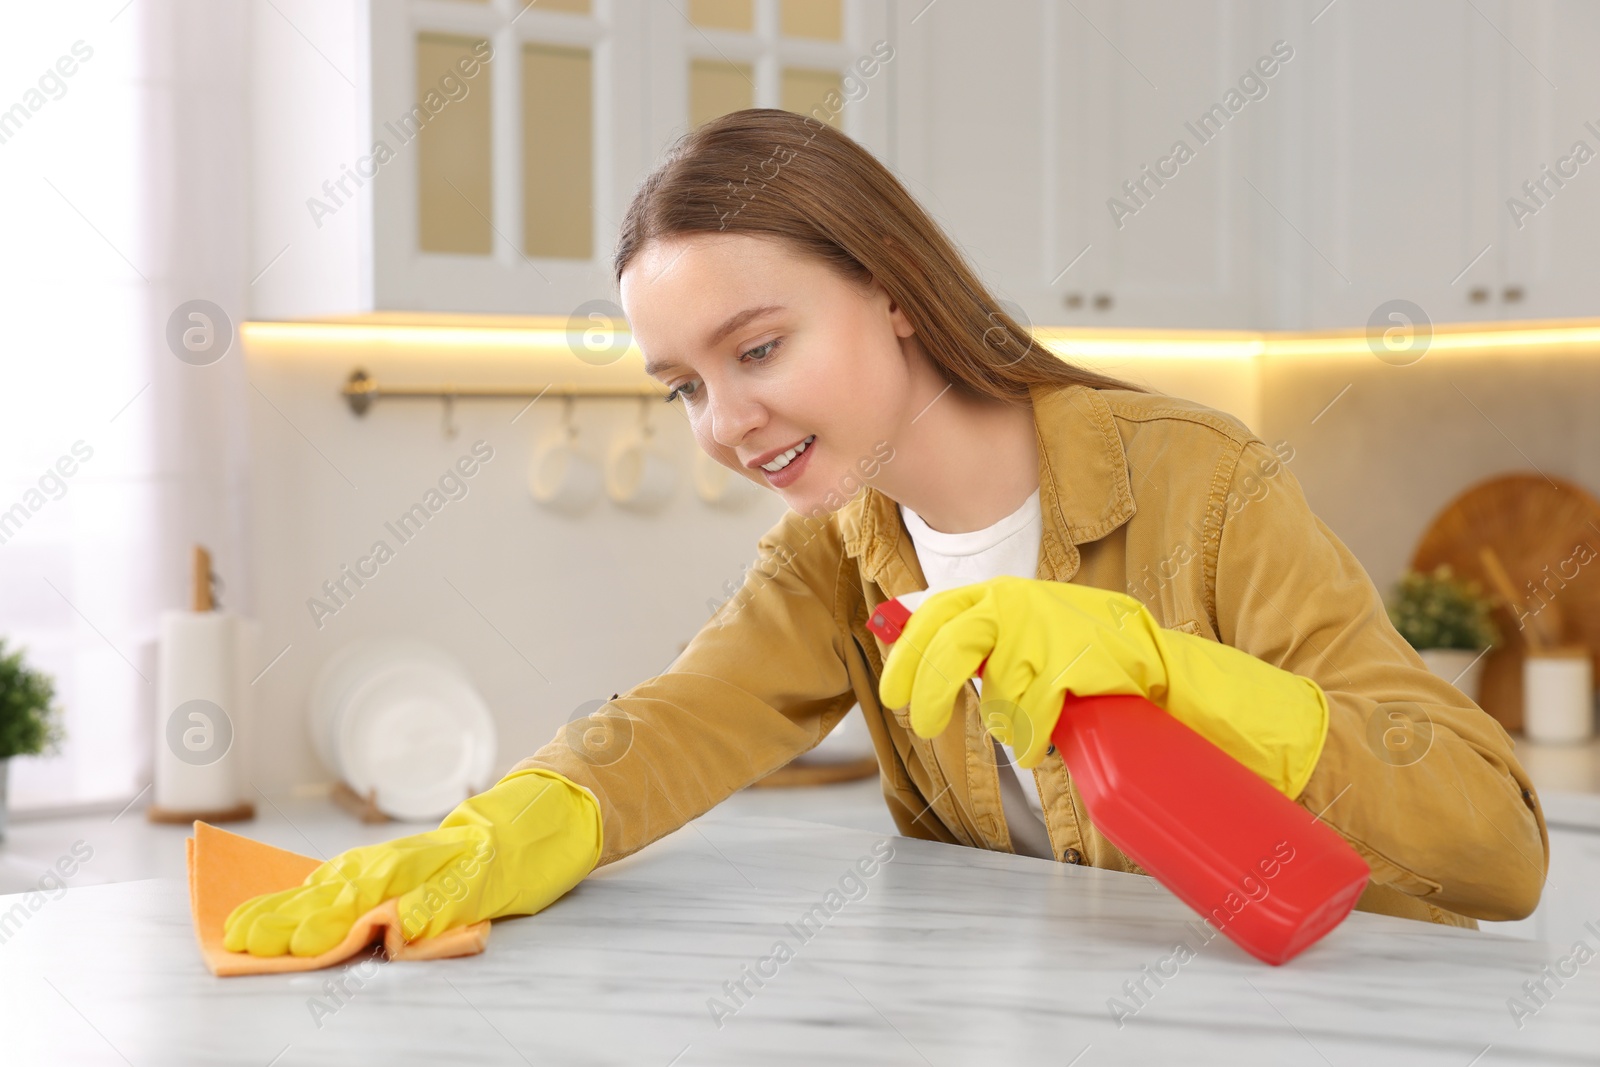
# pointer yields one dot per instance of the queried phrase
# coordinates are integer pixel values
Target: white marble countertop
(1568, 780)
(950, 956)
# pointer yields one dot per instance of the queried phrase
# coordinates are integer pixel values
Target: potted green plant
(1446, 619)
(30, 722)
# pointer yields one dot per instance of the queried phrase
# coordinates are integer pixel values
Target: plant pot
(1461, 667)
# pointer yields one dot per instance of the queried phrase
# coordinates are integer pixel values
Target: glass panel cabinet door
(798, 55)
(737, 15)
(819, 19)
(717, 87)
(800, 90)
(557, 151)
(508, 135)
(504, 197)
(453, 146)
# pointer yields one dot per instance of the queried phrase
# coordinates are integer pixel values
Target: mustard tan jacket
(1175, 503)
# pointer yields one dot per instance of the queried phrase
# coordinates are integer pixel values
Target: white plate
(417, 734)
(349, 667)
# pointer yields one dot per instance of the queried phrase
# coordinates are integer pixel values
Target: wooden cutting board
(1546, 532)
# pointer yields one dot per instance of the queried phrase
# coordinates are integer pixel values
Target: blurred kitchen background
(1375, 246)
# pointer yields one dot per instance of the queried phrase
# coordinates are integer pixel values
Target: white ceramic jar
(1558, 695)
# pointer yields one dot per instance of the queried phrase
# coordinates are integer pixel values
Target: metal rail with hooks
(361, 391)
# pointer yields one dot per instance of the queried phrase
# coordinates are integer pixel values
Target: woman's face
(827, 363)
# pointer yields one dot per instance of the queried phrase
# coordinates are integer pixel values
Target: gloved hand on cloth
(1045, 638)
(511, 850)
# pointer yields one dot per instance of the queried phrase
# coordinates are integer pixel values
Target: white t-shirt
(1010, 546)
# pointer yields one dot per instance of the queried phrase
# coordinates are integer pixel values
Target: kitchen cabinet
(1038, 133)
(1549, 92)
(830, 59)
(1424, 122)
(1401, 130)
(1332, 158)
(486, 149)
(1375, 163)
(517, 214)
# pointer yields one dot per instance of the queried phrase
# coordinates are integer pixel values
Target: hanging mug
(640, 476)
(561, 476)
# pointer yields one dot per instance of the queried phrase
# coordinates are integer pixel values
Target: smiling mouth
(779, 462)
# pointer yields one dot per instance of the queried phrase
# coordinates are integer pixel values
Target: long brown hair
(781, 174)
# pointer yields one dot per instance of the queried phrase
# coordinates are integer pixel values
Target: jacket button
(1071, 855)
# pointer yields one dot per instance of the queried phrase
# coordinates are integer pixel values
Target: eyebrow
(733, 322)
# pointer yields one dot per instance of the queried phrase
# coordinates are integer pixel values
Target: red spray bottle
(1249, 860)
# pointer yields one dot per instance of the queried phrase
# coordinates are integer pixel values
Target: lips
(760, 462)
(792, 470)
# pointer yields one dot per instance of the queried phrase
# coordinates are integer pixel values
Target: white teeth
(780, 462)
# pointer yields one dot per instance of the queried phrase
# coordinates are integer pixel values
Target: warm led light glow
(1150, 344)
(548, 335)
(320, 334)
(1444, 340)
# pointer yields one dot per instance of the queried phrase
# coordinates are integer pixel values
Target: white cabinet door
(622, 71)
(1400, 146)
(1549, 168)
(966, 142)
(1038, 134)
(845, 78)
(1177, 107)
(506, 274)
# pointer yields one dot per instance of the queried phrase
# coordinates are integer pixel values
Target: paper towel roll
(200, 714)
(247, 657)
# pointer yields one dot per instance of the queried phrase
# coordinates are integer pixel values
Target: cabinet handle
(1480, 295)
(1511, 294)
(1072, 300)
(1102, 301)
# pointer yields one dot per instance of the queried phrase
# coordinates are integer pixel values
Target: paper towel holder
(203, 581)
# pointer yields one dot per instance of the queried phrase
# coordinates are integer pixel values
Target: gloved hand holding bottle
(511, 850)
(1046, 638)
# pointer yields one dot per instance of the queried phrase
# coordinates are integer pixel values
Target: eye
(673, 395)
(765, 351)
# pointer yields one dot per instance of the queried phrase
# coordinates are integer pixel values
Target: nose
(734, 413)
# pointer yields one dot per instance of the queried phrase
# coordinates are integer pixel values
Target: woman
(826, 341)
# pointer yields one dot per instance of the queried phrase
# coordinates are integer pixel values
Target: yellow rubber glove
(511, 850)
(1044, 638)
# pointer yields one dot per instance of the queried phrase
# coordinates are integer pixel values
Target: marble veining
(941, 955)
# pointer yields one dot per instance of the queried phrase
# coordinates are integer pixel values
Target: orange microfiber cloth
(225, 870)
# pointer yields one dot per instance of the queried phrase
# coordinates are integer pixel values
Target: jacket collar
(1084, 493)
